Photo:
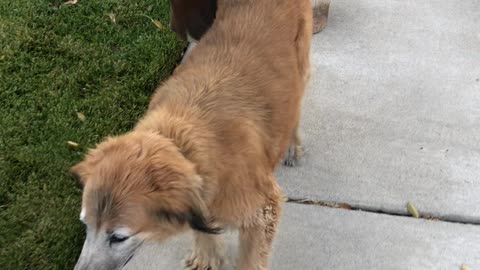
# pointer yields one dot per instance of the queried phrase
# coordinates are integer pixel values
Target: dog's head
(136, 187)
(190, 19)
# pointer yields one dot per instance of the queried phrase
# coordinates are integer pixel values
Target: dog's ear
(78, 173)
(194, 218)
(198, 222)
(198, 217)
(183, 204)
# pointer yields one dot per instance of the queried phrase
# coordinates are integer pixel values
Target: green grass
(57, 60)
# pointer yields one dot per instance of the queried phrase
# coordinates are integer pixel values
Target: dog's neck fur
(190, 134)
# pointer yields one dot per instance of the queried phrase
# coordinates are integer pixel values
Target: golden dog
(203, 156)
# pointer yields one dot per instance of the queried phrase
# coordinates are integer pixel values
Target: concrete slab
(313, 237)
(393, 111)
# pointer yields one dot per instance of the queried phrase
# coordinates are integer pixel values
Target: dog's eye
(114, 239)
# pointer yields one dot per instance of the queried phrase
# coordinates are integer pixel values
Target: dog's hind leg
(295, 150)
(302, 47)
(207, 252)
(256, 238)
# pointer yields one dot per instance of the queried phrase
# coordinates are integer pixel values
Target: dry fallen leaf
(112, 17)
(464, 267)
(73, 145)
(71, 2)
(157, 23)
(81, 116)
(412, 210)
(345, 206)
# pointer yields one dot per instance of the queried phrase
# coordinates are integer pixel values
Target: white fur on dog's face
(107, 250)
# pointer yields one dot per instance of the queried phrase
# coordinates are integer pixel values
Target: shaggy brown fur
(204, 154)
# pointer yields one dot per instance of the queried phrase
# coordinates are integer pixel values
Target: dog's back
(249, 69)
(205, 151)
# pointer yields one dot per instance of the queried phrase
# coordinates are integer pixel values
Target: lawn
(100, 59)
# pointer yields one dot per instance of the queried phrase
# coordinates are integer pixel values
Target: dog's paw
(293, 155)
(194, 262)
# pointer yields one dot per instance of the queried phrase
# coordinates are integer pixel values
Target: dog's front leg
(207, 252)
(256, 238)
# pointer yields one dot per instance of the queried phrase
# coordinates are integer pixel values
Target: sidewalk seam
(347, 207)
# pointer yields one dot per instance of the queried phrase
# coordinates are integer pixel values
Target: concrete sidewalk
(392, 115)
(313, 237)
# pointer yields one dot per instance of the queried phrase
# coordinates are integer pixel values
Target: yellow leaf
(464, 267)
(73, 145)
(81, 116)
(71, 2)
(112, 17)
(412, 210)
(158, 24)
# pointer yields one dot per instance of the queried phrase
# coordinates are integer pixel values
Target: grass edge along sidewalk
(68, 72)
